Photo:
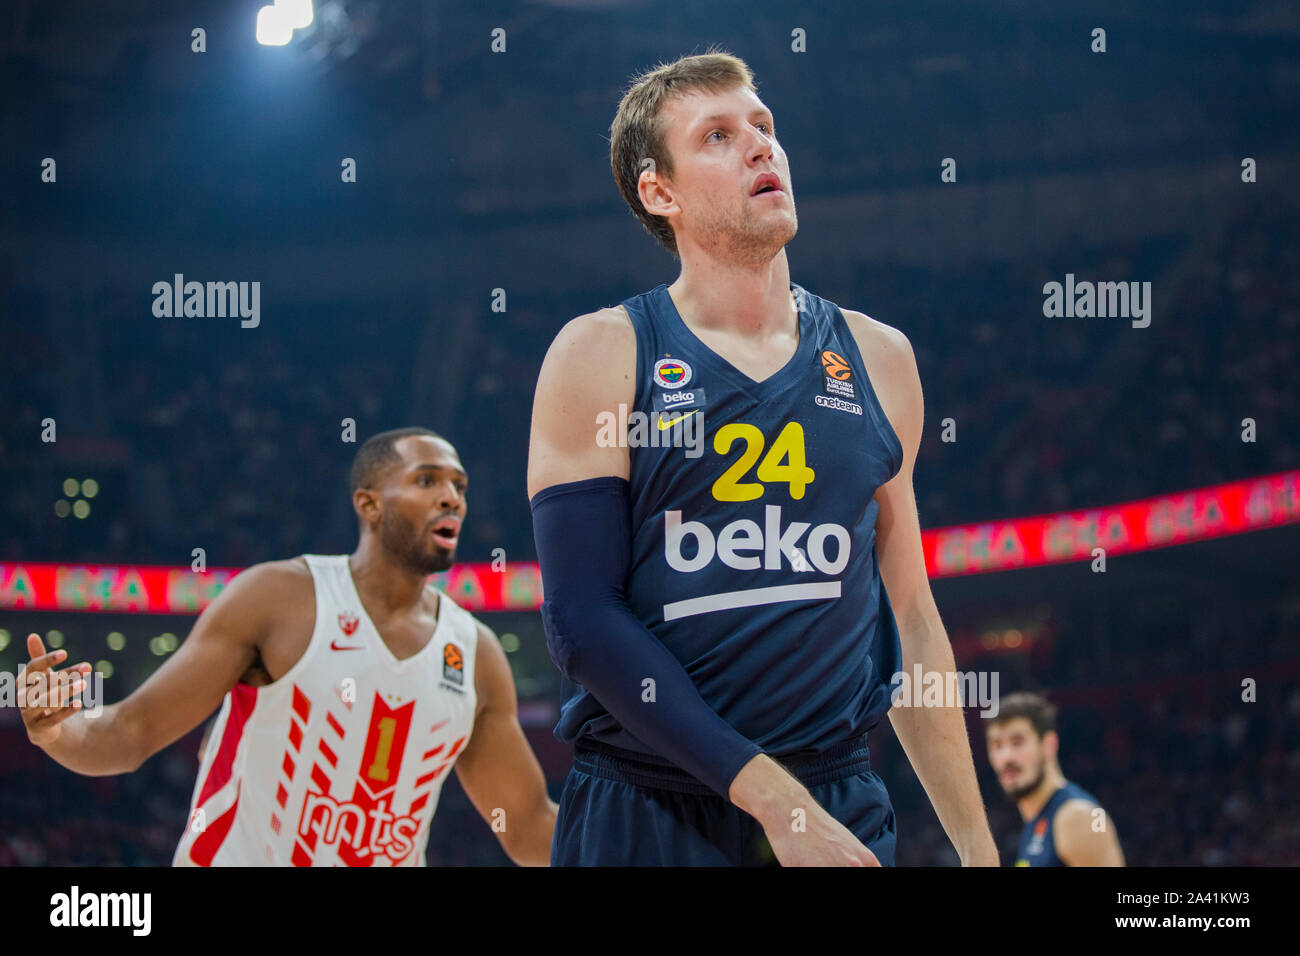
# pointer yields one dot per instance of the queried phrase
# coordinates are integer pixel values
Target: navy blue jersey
(1038, 839)
(754, 530)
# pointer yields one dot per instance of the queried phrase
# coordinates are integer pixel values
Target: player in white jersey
(350, 686)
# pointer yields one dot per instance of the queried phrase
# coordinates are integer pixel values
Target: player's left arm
(1085, 835)
(498, 769)
(934, 738)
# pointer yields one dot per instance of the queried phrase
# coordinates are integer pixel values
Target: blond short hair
(638, 133)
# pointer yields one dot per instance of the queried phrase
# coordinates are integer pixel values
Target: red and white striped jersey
(339, 762)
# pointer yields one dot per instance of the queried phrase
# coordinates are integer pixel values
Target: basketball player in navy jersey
(731, 590)
(1064, 824)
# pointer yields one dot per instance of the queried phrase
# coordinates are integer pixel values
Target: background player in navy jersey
(1064, 824)
(714, 596)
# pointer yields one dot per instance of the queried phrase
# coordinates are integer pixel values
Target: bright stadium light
(273, 27)
(297, 13)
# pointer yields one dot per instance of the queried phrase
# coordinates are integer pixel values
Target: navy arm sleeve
(583, 531)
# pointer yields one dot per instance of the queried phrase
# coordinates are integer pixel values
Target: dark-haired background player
(1064, 824)
(723, 618)
(348, 686)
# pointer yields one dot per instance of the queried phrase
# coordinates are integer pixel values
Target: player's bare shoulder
(602, 343)
(272, 585)
(589, 371)
(891, 366)
(883, 347)
(277, 600)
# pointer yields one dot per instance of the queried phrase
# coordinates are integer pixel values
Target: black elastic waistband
(845, 759)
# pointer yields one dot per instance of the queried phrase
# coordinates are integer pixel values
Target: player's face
(424, 504)
(721, 144)
(1017, 755)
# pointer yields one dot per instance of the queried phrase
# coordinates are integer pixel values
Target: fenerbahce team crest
(673, 401)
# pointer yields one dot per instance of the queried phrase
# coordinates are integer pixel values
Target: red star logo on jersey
(349, 622)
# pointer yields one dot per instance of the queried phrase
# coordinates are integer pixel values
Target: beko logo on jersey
(770, 540)
(838, 403)
(672, 399)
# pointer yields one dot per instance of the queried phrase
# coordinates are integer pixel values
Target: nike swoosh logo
(664, 426)
(334, 646)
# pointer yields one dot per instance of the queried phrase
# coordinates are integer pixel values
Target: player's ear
(1051, 744)
(366, 504)
(655, 189)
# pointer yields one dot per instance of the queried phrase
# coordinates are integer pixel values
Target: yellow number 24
(788, 448)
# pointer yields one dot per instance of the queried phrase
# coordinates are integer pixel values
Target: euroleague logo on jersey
(453, 664)
(838, 381)
(836, 366)
(1039, 837)
(671, 373)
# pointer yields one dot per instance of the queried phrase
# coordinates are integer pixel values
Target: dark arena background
(423, 192)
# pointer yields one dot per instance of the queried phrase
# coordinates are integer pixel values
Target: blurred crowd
(233, 440)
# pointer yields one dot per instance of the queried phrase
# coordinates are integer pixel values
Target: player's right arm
(583, 531)
(224, 644)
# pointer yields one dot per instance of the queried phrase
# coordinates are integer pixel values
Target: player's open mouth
(446, 532)
(765, 185)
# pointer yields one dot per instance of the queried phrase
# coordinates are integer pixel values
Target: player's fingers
(67, 690)
(44, 720)
(69, 684)
(48, 689)
(60, 715)
(42, 661)
(35, 691)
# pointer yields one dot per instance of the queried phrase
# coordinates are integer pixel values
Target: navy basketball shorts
(624, 809)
